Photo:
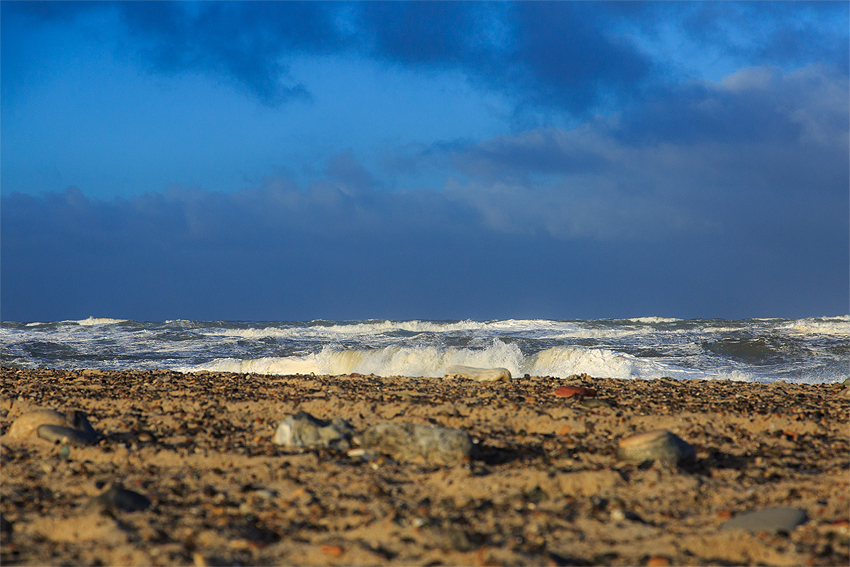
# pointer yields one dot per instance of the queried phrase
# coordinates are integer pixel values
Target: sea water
(808, 351)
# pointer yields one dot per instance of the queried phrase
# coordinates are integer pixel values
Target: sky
(424, 160)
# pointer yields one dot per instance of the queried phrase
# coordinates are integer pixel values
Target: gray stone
(55, 426)
(771, 520)
(118, 498)
(304, 430)
(56, 433)
(478, 374)
(410, 442)
(658, 445)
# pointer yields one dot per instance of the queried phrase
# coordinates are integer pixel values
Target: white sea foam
(559, 362)
(802, 351)
(92, 321)
(652, 320)
(835, 326)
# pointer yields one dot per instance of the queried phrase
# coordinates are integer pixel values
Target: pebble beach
(170, 468)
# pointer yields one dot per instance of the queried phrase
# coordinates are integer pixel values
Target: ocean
(811, 351)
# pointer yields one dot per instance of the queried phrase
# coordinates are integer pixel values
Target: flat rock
(305, 430)
(60, 433)
(118, 498)
(478, 374)
(411, 442)
(54, 426)
(658, 445)
(771, 520)
(570, 391)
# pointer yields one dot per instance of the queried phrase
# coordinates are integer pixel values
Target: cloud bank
(601, 220)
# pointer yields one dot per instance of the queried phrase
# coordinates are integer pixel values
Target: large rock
(478, 374)
(412, 442)
(304, 430)
(658, 445)
(73, 427)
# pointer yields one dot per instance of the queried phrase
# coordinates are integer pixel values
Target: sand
(544, 486)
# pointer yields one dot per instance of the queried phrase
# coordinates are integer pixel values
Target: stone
(570, 391)
(60, 433)
(596, 403)
(118, 498)
(304, 430)
(659, 445)
(54, 426)
(771, 520)
(28, 423)
(411, 442)
(478, 374)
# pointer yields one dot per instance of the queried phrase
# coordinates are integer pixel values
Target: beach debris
(305, 430)
(118, 498)
(658, 445)
(478, 374)
(73, 427)
(570, 391)
(771, 520)
(410, 442)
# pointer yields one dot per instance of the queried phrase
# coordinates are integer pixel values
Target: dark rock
(118, 498)
(55, 433)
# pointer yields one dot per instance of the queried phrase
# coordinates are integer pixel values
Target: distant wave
(91, 321)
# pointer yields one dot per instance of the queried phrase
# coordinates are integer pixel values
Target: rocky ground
(205, 485)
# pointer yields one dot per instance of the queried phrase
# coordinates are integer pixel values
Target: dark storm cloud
(545, 53)
(245, 41)
(564, 55)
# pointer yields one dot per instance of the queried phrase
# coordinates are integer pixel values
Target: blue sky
(297, 161)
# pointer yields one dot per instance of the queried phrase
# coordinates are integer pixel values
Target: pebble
(305, 430)
(478, 374)
(55, 426)
(596, 403)
(118, 498)
(408, 442)
(660, 445)
(570, 391)
(771, 520)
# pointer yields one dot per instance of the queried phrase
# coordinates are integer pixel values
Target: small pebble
(658, 445)
(596, 403)
(570, 391)
(333, 550)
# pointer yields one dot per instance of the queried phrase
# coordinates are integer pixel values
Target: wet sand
(543, 486)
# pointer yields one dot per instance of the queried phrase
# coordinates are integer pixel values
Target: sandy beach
(542, 486)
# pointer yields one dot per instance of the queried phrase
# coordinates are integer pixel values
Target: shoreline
(543, 486)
